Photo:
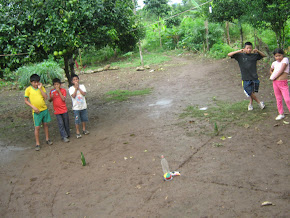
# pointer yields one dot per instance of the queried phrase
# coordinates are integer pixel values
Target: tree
(40, 28)
(228, 11)
(272, 14)
(160, 8)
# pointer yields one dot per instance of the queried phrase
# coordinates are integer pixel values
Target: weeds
(224, 113)
(123, 95)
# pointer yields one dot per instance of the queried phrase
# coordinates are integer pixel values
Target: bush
(47, 70)
(220, 50)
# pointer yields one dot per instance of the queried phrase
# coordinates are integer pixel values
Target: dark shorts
(81, 116)
(250, 86)
(42, 117)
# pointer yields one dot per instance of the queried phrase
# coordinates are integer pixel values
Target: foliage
(159, 8)
(220, 50)
(123, 95)
(40, 28)
(47, 70)
(270, 13)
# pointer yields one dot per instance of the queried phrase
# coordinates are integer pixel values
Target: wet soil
(123, 176)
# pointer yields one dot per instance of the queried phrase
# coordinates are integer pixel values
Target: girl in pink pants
(279, 73)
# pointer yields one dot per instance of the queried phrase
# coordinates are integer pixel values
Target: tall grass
(47, 70)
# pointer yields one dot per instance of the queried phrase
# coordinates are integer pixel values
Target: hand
(57, 89)
(39, 85)
(255, 50)
(36, 110)
(76, 85)
(242, 51)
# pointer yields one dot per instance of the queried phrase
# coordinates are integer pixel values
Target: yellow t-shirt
(35, 98)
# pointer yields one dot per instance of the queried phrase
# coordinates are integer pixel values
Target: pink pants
(281, 91)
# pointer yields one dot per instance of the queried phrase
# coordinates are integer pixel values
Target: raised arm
(235, 52)
(259, 52)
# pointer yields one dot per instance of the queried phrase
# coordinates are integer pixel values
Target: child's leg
(45, 126)
(278, 95)
(36, 134)
(61, 126)
(84, 126)
(285, 92)
(253, 96)
(77, 129)
(66, 123)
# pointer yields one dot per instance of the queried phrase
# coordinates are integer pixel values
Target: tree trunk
(71, 66)
(228, 33)
(159, 27)
(206, 34)
(66, 70)
(139, 43)
(241, 34)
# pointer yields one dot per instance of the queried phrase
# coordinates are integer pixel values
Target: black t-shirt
(248, 65)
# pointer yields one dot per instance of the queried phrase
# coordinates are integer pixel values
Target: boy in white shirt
(77, 93)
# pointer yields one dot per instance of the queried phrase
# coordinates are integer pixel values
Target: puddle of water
(163, 102)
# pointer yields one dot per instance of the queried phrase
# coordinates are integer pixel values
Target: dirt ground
(123, 176)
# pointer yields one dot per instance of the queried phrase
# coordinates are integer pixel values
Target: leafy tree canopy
(40, 28)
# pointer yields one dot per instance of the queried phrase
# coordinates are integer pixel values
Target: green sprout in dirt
(123, 95)
(216, 129)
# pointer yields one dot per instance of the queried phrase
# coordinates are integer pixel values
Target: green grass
(123, 95)
(223, 113)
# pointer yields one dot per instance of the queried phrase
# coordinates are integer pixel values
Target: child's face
(278, 57)
(75, 80)
(34, 84)
(248, 49)
(56, 85)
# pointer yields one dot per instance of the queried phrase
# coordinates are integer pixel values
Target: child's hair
(248, 43)
(56, 80)
(278, 50)
(34, 77)
(74, 75)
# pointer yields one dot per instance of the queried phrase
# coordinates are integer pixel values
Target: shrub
(220, 50)
(47, 70)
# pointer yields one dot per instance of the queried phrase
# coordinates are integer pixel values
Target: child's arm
(259, 52)
(82, 92)
(235, 52)
(60, 94)
(278, 73)
(36, 110)
(50, 96)
(42, 92)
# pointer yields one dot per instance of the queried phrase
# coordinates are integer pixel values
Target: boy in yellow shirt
(36, 95)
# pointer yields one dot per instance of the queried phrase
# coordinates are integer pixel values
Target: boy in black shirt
(248, 66)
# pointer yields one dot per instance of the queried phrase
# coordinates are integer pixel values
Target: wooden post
(206, 34)
(139, 42)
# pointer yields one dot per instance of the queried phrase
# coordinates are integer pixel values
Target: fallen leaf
(230, 137)
(125, 158)
(276, 125)
(138, 186)
(285, 122)
(223, 138)
(267, 203)
(280, 142)
(246, 126)
(67, 193)
(166, 197)
(132, 135)
(131, 157)
(145, 150)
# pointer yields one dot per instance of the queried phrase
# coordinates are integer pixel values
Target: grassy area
(123, 95)
(224, 113)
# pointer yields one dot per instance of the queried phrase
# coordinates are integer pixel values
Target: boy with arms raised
(77, 93)
(34, 97)
(248, 66)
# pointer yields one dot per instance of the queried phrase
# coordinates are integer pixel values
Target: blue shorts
(251, 86)
(81, 116)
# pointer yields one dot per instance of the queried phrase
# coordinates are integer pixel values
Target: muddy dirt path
(124, 176)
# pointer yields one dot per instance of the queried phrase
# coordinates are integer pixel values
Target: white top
(277, 66)
(79, 102)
